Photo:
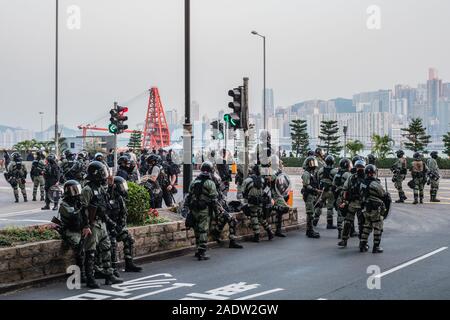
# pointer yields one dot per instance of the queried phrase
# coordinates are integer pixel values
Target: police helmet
(16, 157)
(416, 156)
(68, 154)
(310, 153)
(311, 163)
(153, 158)
(82, 155)
(121, 185)
(207, 166)
(256, 170)
(51, 158)
(123, 161)
(319, 153)
(72, 188)
(360, 164)
(434, 154)
(400, 153)
(98, 156)
(370, 170)
(41, 155)
(345, 164)
(356, 158)
(371, 159)
(97, 171)
(329, 160)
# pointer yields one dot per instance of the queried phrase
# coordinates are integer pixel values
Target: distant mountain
(4, 128)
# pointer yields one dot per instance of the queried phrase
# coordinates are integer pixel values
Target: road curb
(154, 257)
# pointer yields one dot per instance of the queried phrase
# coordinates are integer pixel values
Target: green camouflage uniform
(325, 176)
(222, 217)
(310, 185)
(338, 185)
(253, 192)
(280, 206)
(318, 209)
(72, 218)
(18, 173)
(433, 177)
(95, 201)
(373, 194)
(352, 196)
(203, 196)
(37, 175)
(399, 170)
(418, 173)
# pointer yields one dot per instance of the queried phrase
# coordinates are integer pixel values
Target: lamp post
(42, 124)
(264, 76)
(56, 78)
(345, 141)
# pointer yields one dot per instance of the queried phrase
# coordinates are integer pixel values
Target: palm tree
(354, 147)
(26, 145)
(381, 146)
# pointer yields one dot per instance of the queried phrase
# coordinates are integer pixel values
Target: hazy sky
(315, 49)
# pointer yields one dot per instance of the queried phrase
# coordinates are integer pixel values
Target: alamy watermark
(374, 17)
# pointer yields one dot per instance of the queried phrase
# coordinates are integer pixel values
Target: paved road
(415, 265)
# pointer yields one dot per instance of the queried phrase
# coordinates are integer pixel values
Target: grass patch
(12, 236)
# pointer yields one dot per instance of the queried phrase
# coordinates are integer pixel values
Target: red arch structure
(156, 131)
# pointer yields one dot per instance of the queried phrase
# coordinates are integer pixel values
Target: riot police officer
(201, 200)
(67, 166)
(352, 202)
(310, 192)
(371, 159)
(418, 172)
(325, 176)
(253, 192)
(433, 176)
(222, 216)
(280, 187)
(345, 166)
(17, 173)
(72, 222)
(95, 202)
(375, 200)
(152, 184)
(124, 167)
(52, 176)
(399, 170)
(37, 175)
(117, 226)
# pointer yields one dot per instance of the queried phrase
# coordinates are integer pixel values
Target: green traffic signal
(233, 123)
(113, 128)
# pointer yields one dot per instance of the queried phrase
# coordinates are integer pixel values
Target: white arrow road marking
(403, 265)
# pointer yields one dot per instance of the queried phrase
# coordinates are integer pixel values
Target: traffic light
(221, 133)
(234, 118)
(118, 118)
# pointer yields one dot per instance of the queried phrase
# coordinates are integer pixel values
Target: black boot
(421, 200)
(131, 267)
(312, 234)
(46, 207)
(377, 249)
(216, 236)
(269, 234)
(415, 200)
(363, 246)
(25, 198)
(255, 237)
(330, 224)
(280, 234)
(80, 263)
(339, 234)
(315, 221)
(342, 243)
(112, 279)
(235, 245)
(89, 263)
(55, 207)
(34, 198)
(202, 255)
(42, 198)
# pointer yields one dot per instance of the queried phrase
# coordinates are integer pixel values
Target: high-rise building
(172, 117)
(195, 111)
(408, 93)
(344, 105)
(446, 90)
(375, 101)
(270, 106)
(432, 74)
(434, 89)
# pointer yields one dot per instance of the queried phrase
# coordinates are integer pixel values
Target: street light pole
(264, 77)
(187, 127)
(56, 79)
(42, 124)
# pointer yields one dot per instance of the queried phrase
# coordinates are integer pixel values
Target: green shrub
(14, 235)
(138, 204)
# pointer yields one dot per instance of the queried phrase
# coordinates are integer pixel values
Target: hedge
(382, 164)
(14, 235)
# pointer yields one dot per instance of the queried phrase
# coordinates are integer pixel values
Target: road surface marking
(20, 213)
(322, 299)
(26, 220)
(410, 262)
(259, 294)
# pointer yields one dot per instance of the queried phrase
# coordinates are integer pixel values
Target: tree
(26, 145)
(418, 140)
(381, 146)
(354, 147)
(135, 141)
(446, 141)
(300, 137)
(329, 137)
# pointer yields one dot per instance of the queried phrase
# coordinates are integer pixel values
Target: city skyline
(330, 53)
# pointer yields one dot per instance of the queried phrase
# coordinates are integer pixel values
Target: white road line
(25, 220)
(410, 262)
(20, 213)
(260, 294)
(322, 299)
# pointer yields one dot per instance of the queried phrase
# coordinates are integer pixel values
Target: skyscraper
(434, 92)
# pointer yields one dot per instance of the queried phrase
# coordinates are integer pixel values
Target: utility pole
(56, 81)
(115, 145)
(345, 141)
(187, 127)
(244, 118)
